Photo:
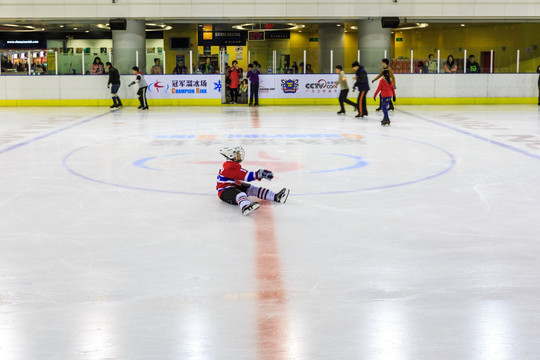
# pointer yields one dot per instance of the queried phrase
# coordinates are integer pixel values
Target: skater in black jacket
(362, 84)
(114, 84)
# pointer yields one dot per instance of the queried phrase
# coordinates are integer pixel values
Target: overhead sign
(23, 44)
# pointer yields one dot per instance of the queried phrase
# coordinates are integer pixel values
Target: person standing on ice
(232, 182)
(143, 87)
(386, 88)
(114, 84)
(386, 67)
(342, 82)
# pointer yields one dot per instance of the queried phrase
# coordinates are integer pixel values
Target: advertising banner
(184, 86)
(299, 86)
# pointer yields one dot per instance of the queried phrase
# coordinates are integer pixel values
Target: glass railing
(290, 60)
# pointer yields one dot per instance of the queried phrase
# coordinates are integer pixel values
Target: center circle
(187, 163)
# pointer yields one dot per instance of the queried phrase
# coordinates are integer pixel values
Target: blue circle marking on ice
(359, 164)
(142, 162)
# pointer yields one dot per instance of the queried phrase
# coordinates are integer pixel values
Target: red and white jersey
(232, 174)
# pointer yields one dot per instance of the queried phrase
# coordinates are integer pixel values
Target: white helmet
(233, 153)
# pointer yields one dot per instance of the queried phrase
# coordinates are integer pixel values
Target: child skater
(143, 86)
(386, 88)
(385, 67)
(232, 183)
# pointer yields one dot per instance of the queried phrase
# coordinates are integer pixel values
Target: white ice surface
(415, 241)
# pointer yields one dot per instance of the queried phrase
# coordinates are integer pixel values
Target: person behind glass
(362, 84)
(386, 88)
(180, 68)
(431, 64)
(385, 66)
(234, 73)
(309, 70)
(342, 82)
(114, 84)
(253, 76)
(472, 66)
(420, 68)
(207, 67)
(450, 66)
(156, 68)
(97, 67)
(143, 86)
(538, 72)
(257, 66)
(294, 68)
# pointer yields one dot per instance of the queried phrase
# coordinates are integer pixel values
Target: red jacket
(234, 75)
(386, 89)
(232, 174)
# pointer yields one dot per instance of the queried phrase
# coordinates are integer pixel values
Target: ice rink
(416, 241)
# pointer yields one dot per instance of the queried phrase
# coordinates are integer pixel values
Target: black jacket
(362, 82)
(114, 76)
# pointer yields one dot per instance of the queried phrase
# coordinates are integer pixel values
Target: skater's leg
(256, 90)
(251, 93)
(260, 192)
(114, 95)
(380, 104)
(384, 106)
(139, 92)
(346, 100)
(364, 105)
(144, 100)
(237, 196)
(341, 98)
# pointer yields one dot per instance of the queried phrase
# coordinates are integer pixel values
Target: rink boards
(282, 89)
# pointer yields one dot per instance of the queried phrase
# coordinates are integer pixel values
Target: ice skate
(249, 208)
(282, 195)
(385, 122)
(378, 109)
(341, 112)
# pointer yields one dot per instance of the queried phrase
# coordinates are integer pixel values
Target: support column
(373, 39)
(125, 45)
(331, 37)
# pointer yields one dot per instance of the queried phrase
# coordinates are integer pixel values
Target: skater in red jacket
(386, 88)
(232, 182)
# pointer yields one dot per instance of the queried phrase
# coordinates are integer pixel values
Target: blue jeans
(384, 106)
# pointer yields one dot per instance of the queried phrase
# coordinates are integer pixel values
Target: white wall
(50, 87)
(169, 9)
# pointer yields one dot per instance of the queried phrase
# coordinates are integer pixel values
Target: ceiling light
(61, 26)
(338, 25)
(74, 28)
(462, 25)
